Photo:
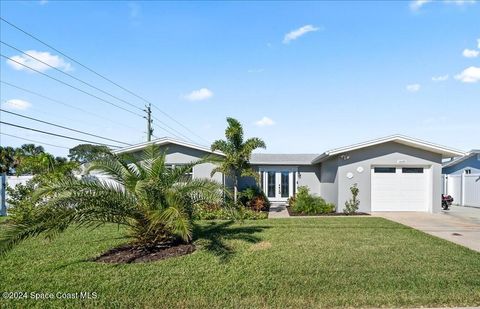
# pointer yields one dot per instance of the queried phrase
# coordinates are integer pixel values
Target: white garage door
(400, 188)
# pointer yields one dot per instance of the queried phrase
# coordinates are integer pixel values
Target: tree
(237, 154)
(87, 152)
(154, 202)
(8, 160)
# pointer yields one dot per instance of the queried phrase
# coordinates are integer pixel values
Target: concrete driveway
(460, 225)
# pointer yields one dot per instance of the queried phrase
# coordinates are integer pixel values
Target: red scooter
(447, 201)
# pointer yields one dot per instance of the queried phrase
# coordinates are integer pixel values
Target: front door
(278, 184)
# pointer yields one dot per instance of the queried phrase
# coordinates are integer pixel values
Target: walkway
(278, 210)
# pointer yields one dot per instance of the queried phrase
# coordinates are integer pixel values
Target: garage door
(400, 188)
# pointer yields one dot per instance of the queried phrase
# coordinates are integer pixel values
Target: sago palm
(237, 153)
(155, 202)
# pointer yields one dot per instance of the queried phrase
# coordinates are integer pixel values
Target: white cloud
(417, 4)
(440, 78)
(413, 87)
(199, 95)
(256, 70)
(16, 104)
(295, 34)
(265, 121)
(478, 43)
(42, 2)
(53, 60)
(469, 75)
(470, 53)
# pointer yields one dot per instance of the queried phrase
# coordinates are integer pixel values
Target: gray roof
(282, 159)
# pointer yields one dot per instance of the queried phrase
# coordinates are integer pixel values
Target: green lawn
(298, 263)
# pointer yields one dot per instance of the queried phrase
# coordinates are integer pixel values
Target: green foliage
(237, 153)
(254, 198)
(307, 203)
(87, 152)
(351, 206)
(218, 212)
(8, 160)
(153, 201)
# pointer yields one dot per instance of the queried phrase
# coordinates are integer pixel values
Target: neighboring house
(394, 173)
(462, 179)
(468, 164)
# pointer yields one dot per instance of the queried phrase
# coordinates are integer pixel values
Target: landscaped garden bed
(292, 213)
(131, 254)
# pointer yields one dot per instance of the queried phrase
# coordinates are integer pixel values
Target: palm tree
(153, 201)
(237, 154)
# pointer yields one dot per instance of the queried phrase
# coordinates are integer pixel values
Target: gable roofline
(446, 152)
(468, 155)
(165, 141)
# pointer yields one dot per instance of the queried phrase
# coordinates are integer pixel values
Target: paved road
(460, 225)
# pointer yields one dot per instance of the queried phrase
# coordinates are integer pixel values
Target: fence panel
(454, 188)
(472, 190)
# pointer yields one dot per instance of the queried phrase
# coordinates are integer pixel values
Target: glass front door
(278, 184)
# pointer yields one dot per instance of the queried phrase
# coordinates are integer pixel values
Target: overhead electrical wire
(103, 77)
(64, 127)
(58, 135)
(33, 141)
(66, 104)
(71, 76)
(71, 86)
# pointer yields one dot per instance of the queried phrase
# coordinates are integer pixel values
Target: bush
(351, 206)
(306, 203)
(222, 212)
(254, 198)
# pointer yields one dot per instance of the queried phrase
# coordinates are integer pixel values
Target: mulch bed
(131, 254)
(329, 214)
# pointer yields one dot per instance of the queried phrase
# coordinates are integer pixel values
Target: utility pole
(148, 110)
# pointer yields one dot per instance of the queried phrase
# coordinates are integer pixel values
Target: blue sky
(305, 77)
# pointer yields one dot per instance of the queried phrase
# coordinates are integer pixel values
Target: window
(188, 175)
(384, 170)
(468, 172)
(412, 170)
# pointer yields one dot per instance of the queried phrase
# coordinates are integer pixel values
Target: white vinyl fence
(12, 181)
(465, 189)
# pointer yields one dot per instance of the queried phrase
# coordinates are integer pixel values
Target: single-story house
(462, 179)
(467, 164)
(394, 173)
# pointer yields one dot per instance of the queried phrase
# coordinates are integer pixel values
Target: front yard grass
(297, 263)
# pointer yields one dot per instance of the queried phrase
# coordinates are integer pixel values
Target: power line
(179, 123)
(33, 141)
(55, 134)
(71, 76)
(64, 127)
(66, 104)
(102, 76)
(182, 135)
(69, 85)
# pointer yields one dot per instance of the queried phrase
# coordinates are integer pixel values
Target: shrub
(221, 212)
(351, 206)
(306, 203)
(254, 198)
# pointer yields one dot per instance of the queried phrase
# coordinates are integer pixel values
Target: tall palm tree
(153, 201)
(237, 154)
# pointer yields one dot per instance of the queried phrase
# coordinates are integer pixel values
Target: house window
(384, 170)
(412, 170)
(468, 172)
(188, 175)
